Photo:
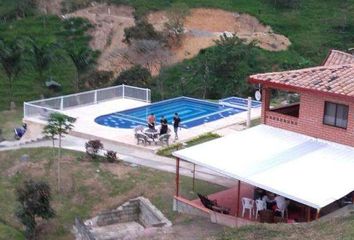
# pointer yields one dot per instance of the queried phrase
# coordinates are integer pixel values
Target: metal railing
(44, 107)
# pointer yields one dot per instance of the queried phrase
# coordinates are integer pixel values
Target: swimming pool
(193, 112)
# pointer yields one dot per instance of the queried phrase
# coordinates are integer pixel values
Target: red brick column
(265, 103)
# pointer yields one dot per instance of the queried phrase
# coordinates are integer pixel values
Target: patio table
(152, 133)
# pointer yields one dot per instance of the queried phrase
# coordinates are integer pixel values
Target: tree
(59, 124)
(11, 53)
(34, 198)
(43, 55)
(175, 25)
(83, 58)
(136, 76)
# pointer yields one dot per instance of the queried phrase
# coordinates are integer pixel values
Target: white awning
(307, 170)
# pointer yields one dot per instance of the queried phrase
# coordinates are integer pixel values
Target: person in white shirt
(280, 201)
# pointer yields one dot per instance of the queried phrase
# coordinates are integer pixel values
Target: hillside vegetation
(312, 26)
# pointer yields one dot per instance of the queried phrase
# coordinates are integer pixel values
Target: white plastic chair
(260, 205)
(247, 204)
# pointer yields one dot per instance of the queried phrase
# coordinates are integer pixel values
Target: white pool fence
(44, 107)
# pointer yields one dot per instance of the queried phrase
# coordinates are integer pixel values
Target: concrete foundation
(134, 218)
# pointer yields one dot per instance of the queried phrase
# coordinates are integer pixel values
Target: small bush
(93, 147)
(111, 156)
(141, 30)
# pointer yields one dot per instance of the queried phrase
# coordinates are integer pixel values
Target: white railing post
(249, 107)
(61, 103)
(95, 97)
(24, 109)
(123, 92)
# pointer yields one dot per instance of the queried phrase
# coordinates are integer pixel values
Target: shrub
(136, 76)
(111, 156)
(34, 198)
(141, 30)
(93, 147)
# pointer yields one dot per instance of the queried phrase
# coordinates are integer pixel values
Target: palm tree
(11, 53)
(59, 124)
(83, 58)
(43, 55)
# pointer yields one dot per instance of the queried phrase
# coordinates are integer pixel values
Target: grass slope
(87, 188)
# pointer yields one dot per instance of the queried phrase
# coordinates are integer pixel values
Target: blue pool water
(193, 112)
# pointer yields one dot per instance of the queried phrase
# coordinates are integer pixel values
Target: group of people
(151, 122)
(272, 203)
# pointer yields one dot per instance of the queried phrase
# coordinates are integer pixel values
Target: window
(336, 114)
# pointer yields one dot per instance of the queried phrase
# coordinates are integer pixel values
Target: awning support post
(318, 214)
(193, 177)
(177, 177)
(238, 198)
(308, 214)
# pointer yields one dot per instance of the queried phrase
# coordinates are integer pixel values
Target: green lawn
(167, 151)
(8, 121)
(87, 188)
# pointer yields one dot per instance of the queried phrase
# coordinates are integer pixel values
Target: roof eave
(288, 87)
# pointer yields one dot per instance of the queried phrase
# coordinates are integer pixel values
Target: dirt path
(202, 27)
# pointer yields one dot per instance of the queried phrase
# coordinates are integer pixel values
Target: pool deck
(86, 127)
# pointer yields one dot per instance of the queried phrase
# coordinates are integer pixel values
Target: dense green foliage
(34, 198)
(135, 76)
(39, 34)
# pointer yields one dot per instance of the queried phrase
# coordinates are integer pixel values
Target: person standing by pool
(176, 123)
(164, 126)
(151, 121)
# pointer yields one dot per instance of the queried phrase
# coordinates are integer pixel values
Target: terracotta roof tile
(336, 79)
(336, 57)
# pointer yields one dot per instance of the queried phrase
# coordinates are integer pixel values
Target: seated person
(164, 126)
(279, 202)
(19, 132)
(151, 121)
(267, 200)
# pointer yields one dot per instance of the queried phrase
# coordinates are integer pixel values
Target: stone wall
(128, 212)
(139, 211)
(150, 216)
(182, 206)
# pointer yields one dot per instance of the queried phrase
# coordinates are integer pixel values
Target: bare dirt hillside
(109, 22)
(202, 27)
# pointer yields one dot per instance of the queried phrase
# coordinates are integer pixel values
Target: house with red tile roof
(326, 99)
(302, 152)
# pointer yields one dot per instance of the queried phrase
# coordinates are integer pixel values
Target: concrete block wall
(310, 121)
(150, 216)
(183, 206)
(128, 212)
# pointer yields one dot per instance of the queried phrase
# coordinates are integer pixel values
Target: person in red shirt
(151, 121)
